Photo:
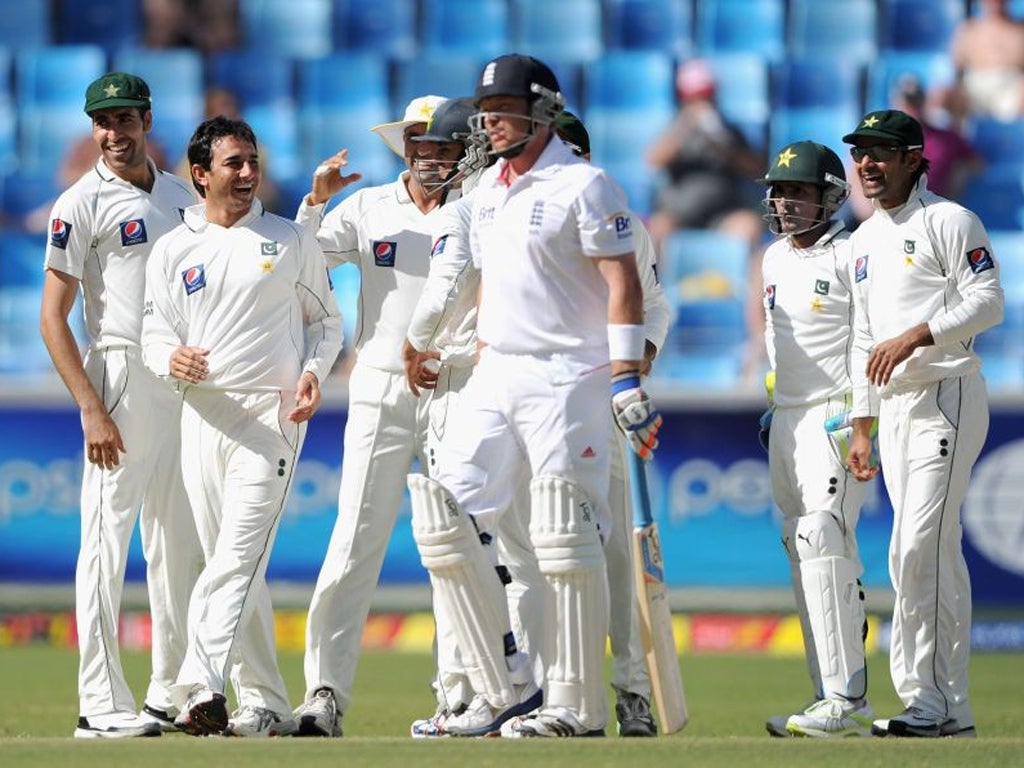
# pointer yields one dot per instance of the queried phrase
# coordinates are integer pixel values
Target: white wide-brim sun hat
(420, 110)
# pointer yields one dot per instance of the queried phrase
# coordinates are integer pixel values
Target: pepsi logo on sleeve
(193, 279)
(60, 231)
(384, 253)
(769, 296)
(133, 232)
(979, 260)
(860, 269)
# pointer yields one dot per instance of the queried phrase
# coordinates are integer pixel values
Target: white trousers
(808, 475)
(385, 432)
(929, 440)
(147, 413)
(239, 453)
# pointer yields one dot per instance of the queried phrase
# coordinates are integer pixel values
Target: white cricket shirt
(102, 229)
(533, 242)
(809, 317)
(256, 294)
(382, 231)
(928, 261)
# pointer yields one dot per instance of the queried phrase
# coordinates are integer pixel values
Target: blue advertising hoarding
(709, 487)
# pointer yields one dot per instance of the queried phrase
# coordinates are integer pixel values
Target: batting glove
(635, 414)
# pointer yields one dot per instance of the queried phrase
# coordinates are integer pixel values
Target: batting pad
(835, 605)
(468, 586)
(564, 532)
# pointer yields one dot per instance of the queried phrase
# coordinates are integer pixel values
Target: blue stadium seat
(29, 25)
(636, 80)
(998, 142)
(478, 28)
(112, 24)
(568, 29)
(257, 78)
(436, 72)
(702, 265)
(21, 347)
(619, 137)
(931, 68)
(8, 137)
(24, 192)
(815, 81)
(743, 92)
(323, 135)
(277, 132)
(650, 25)
(175, 79)
(847, 30)
(343, 81)
(919, 25)
(299, 28)
(825, 125)
(50, 87)
(1008, 249)
(742, 26)
(997, 196)
(385, 27)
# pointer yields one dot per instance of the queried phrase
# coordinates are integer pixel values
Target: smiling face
(231, 182)
(120, 133)
(886, 170)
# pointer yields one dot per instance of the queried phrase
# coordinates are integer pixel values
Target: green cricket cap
(889, 125)
(117, 89)
(571, 129)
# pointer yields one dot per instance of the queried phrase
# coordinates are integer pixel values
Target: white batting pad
(469, 588)
(835, 605)
(563, 528)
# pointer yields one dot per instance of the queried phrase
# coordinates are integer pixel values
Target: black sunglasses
(880, 153)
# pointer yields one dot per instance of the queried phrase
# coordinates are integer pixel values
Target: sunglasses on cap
(880, 153)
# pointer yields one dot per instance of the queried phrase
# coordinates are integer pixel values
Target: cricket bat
(652, 596)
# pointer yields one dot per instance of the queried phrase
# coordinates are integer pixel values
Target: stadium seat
(700, 265)
(817, 82)
(997, 196)
(847, 30)
(650, 25)
(25, 192)
(742, 92)
(919, 25)
(8, 137)
(568, 29)
(1008, 249)
(825, 125)
(323, 135)
(619, 138)
(175, 78)
(635, 80)
(931, 68)
(257, 78)
(299, 28)
(30, 25)
(437, 73)
(21, 281)
(478, 28)
(112, 24)
(384, 27)
(697, 370)
(277, 132)
(343, 81)
(999, 143)
(742, 26)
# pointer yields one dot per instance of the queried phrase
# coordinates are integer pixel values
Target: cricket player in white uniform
(808, 333)
(925, 284)
(551, 236)
(386, 231)
(240, 308)
(101, 233)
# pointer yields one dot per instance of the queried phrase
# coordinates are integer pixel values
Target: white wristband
(625, 342)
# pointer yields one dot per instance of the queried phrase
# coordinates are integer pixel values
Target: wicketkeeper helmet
(810, 163)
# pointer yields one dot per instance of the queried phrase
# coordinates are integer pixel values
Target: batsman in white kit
(239, 308)
(925, 284)
(386, 231)
(560, 291)
(808, 332)
(101, 232)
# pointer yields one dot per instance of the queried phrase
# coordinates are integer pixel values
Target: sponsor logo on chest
(133, 232)
(384, 252)
(194, 279)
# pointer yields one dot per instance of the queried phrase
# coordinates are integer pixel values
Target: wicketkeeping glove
(765, 428)
(635, 414)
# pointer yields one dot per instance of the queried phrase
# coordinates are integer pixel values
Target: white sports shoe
(205, 713)
(552, 722)
(830, 718)
(259, 722)
(776, 724)
(161, 717)
(115, 725)
(916, 722)
(480, 718)
(318, 715)
(433, 727)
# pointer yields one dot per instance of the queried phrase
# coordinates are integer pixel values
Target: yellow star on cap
(785, 157)
(427, 111)
(111, 91)
(870, 121)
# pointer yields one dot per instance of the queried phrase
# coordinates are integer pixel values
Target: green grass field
(729, 697)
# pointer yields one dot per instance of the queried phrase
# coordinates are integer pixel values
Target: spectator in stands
(707, 163)
(988, 52)
(208, 25)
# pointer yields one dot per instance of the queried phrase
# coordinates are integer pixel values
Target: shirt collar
(108, 175)
(195, 216)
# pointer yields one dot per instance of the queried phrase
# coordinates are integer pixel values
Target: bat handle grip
(638, 491)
